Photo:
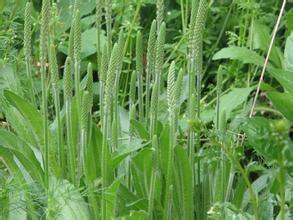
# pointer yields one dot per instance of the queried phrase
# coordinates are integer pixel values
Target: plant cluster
(108, 113)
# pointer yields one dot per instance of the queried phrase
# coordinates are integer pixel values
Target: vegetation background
(146, 109)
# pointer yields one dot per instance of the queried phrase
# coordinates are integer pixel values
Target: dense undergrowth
(144, 109)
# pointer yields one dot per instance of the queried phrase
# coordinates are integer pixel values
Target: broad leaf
(285, 78)
(261, 37)
(141, 170)
(260, 138)
(288, 54)
(283, 102)
(239, 53)
(65, 201)
(111, 199)
(233, 99)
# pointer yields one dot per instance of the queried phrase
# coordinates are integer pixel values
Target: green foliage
(154, 126)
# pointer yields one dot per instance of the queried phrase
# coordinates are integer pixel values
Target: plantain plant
(122, 132)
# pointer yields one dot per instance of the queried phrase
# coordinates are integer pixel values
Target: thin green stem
(61, 152)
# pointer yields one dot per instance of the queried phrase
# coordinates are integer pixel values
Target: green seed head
(121, 48)
(160, 50)
(44, 33)
(171, 89)
(76, 4)
(114, 61)
(67, 79)
(160, 12)
(139, 54)
(53, 65)
(85, 109)
(132, 90)
(89, 86)
(99, 7)
(105, 63)
(77, 36)
(27, 30)
(151, 51)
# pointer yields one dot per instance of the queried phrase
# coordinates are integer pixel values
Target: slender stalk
(151, 56)
(108, 8)
(191, 86)
(107, 103)
(28, 50)
(219, 90)
(154, 110)
(155, 172)
(282, 182)
(45, 14)
(182, 16)
(246, 180)
(55, 80)
(76, 51)
(160, 54)
(171, 97)
(86, 106)
(103, 76)
(196, 41)
(139, 72)
(132, 116)
(116, 91)
(132, 25)
(67, 87)
(267, 57)
(90, 89)
(99, 6)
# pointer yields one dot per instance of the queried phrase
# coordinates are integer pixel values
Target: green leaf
(239, 53)
(233, 99)
(283, 102)
(261, 37)
(111, 197)
(260, 138)
(29, 112)
(138, 215)
(34, 122)
(7, 156)
(66, 9)
(288, 54)
(141, 170)
(140, 129)
(65, 201)
(285, 78)
(258, 185)
(128, 200)
(126, 148)
(88, 42)
(23, 153)
(185, 182)
(8, 79)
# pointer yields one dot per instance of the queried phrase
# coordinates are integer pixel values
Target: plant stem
(43, 58)
(60, 143)
(70, 143)
(155, 170)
